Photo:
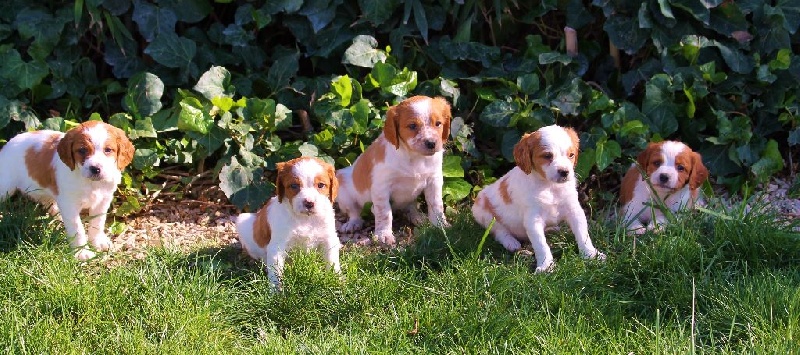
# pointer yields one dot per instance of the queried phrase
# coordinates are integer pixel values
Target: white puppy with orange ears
(675, 173)
(300, 216)
(402, 163)
(71, 172)
(540, 191)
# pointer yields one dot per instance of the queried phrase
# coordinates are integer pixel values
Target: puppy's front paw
(385, 236)
(595, 254)
(101, 243)
(352, 225)
(509, 242)
(84, 254)
(545, 267)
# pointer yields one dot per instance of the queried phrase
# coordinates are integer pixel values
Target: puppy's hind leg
(353, 211)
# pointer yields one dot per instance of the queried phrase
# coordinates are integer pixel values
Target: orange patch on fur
(40, 164)
(403, 122)
(504, 194)
(628, 185)
(262, 233)
(362, 170)
(488, 206)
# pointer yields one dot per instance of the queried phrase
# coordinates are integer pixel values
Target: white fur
(293, 225)
(405, 173)
(642, 212)
(537, 202)
(77, 189)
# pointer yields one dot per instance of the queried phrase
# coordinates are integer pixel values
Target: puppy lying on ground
(71, 172)
(675, 173)
(300, 216)
(402, 163)
(539, 192)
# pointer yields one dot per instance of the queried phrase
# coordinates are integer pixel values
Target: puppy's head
(309, 184)
(672, 165)
(420, 124)
(551, 152)
(98, 149)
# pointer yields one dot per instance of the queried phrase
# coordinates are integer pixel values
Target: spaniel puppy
(675, 173)
(540, 191)
(402, 163)
(71, 172)
(301, 215)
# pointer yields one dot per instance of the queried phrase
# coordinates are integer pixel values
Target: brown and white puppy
(540, 191)
(299, 216)
(69, 173)
(675, 173)
(402, 163)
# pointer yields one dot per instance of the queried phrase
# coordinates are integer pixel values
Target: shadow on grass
(25, 222)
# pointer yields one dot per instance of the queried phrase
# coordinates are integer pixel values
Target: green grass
(719, 282)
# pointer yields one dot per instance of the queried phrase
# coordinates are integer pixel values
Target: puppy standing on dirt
(300, 216)
(403, 162)
(69, 173)
(675, 173)
(540, 191)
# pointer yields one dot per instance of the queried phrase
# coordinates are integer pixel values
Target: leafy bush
(235, 86)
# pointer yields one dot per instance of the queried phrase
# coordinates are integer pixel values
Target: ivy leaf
(194, 116)
(625, 33)
(377, 12)
(420, 19)
(216, 82)
(606, 152)
(363, 52)
(568, 99)
(319, 12)
(735, 59)
(499, 113)
(586, 161)
(455, 189)
(244, 186)
(658, 106)
(343, 87)
(143, 128)
(283, 69)
(172, 51)
(771, 162)
(144, 94)
(25, 75)
(145, 158)
(189, 11)
(14, 110)
(153, 20)
(507, 143)
(451, 167)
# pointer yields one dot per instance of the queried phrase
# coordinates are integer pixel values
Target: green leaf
(143, 128)
(499, 113)
(625, 33)
(363, 52)
(568, 98)
(25, 75)
(14, 110)
(216, 82)
(143, 97)
(420, 19)
(154, 20)
(194, 116)
(451, 167)
(244, 186)
(283, 69)
(145, 158)
(586, 160)
(659, 107)
(377, 12)
(172, 51)
(606, 152)
(528, 83)
(455, 189)
(343, 87)
(771, 162)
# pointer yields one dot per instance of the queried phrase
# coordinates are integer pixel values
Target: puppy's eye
(108, 150)
(657, 163)
(83, 151)
(547, 156)
(438, 123)
(321, 185)
(294, 186)
(680, 167)
(412, 126)
(572, 155)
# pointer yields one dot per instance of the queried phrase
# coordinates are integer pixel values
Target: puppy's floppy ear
(523, 153)
(125, 148)
(644, 157)
(333, 187)
(282, 167)
(444, 106)
(390, 127)
(64, 148)
(699, 172)
(576, 143)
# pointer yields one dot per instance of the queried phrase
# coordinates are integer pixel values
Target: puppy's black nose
(663, 178)
(563, 173)
(430, 144)
(94, 170)
(308, 204)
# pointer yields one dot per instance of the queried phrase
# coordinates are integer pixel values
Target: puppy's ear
(334, 182)
(699, 172)
(125, 148)
(64, 148)
(576, 144)
(390, 128)
(446, 115)
(644, 157)
(279, 181)
(523, 153)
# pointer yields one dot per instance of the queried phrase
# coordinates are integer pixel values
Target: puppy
(403, 162)
(540, 191)
(301, 215)
(69, 173)
(675, 173)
